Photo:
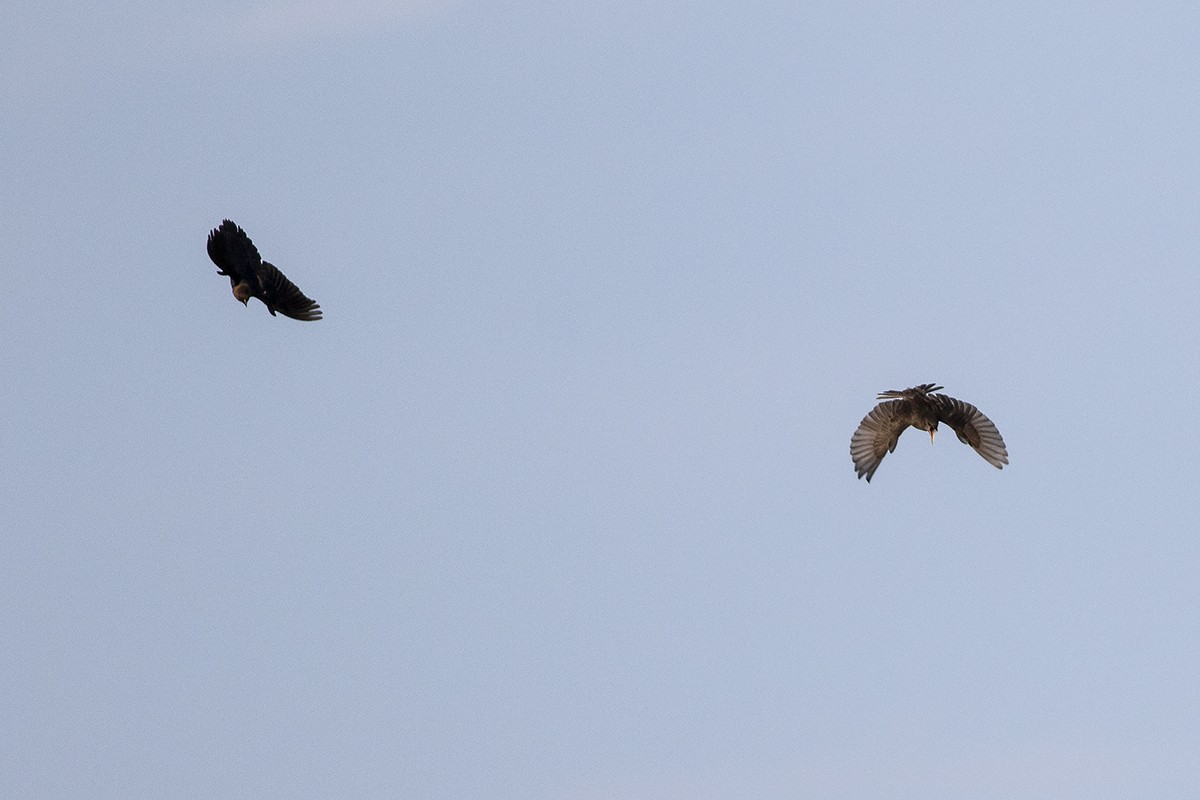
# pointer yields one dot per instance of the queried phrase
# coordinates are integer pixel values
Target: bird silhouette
(919, 407)
(236, 256)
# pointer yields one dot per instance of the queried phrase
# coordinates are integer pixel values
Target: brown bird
(879, 431)
(232, 251)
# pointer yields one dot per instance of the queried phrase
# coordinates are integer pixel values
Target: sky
(556, 502)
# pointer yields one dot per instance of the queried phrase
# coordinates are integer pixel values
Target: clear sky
(557, 502)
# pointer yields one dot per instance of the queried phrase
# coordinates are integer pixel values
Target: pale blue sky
(557, 501)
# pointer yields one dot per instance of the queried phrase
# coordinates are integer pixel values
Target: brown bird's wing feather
(973, 428)
(280, 294)
(877, 435)
(232, 251)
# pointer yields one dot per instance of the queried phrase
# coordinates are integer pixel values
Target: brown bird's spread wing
(232, 251)
(973, 428)
(283, 296)
(876, 436)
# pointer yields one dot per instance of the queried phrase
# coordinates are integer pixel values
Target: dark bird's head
(242, 292)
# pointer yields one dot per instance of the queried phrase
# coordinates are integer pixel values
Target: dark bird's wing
(877, 435)
(232, 251)
(973, 428)
(281, 295)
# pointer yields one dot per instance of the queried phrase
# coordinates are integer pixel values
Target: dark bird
(879, 431)
(232, 251)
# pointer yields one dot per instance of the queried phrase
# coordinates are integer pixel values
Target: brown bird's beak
(932, 431)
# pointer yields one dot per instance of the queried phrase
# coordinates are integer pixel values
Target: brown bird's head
(242, 292)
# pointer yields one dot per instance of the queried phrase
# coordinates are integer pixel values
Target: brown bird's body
(920, 408)
(236, 256)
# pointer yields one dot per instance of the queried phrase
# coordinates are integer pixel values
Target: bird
(919, 407)
(236, 256)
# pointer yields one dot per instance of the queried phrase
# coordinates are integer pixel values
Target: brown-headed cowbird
(232, 251)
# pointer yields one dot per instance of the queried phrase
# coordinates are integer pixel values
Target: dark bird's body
(919, 407)
(236, 256)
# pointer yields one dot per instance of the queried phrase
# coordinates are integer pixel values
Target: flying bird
(919, 407)
(236, 256)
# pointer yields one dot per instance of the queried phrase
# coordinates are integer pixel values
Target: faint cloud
(285, 19)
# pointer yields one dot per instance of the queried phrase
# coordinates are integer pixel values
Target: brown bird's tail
(924, 388)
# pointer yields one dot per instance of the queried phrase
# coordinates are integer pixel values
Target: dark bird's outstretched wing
(232, 251)
(973, 428)
(877, 435)
(280, 294)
